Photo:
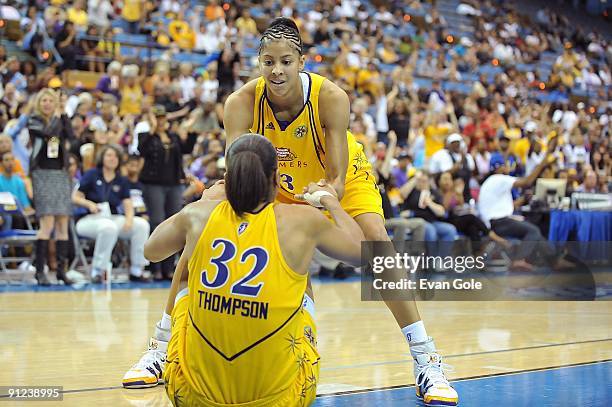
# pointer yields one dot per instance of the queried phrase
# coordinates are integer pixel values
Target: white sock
(162, 328)
(166, 321)
(415, 333)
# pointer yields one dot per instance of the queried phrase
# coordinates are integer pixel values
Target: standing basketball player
(306, 117)
(246, 308)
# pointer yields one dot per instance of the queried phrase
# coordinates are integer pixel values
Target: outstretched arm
(340, 239)
(334, 111)
(238, 113)
(168, 238)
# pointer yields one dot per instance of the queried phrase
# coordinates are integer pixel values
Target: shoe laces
(434, 371)
(148, 358)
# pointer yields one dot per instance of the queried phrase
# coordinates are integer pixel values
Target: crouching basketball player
(242, 328)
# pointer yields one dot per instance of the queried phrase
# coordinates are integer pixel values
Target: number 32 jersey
(245, 309)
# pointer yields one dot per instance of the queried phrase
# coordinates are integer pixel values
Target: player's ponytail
(251, 163)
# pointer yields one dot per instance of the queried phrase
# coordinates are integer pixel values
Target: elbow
(151, 254)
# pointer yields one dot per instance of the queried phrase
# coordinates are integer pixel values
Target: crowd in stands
(441, 100)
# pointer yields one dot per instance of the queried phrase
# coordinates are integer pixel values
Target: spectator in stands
(100, 12)
(208, 39)
(49, 129)
(66, 45)
(89, 48)
(78, 16)
(6, 146)
(13, 183)
(228, 67)
(496, 207)
(427, 204)
(131, 91)
(132, 13)
(108, 47)
(401, 170)
(11, 75)
(133, 167)
(482, 158)
(455, 160)
(461, 214)
(89, 152)
(182, 34)
(102, 191)
(246, 25)
(504, 154)
(162, 176)
(589, 184)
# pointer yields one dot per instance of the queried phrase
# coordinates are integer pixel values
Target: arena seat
(82, 79)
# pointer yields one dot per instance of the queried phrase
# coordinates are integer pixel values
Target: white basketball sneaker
(149, 371)
(431, 383)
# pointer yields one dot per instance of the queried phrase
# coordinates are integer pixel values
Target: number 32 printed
(240, 287)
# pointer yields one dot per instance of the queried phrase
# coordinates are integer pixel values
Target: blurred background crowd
(444, 93)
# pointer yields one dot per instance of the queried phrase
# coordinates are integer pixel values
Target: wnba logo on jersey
(242, 227)
(300, 131)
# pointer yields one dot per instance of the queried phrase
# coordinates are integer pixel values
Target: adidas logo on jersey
(270, 126)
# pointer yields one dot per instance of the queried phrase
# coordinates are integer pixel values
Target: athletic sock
(162, 328)
(415, 333)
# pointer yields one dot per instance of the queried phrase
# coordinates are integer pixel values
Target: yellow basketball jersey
(245, 322)
(300, 143)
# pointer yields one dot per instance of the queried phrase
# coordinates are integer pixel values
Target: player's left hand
(313, 187)
(216, 192)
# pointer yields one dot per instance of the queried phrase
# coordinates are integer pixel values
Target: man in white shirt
(455, 160)
(496, 208)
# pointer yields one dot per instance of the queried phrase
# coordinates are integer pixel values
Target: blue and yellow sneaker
(149, 371)
(431, 384)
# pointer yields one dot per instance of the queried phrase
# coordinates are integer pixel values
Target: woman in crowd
(102, 191)
(460, 214)
(162, 176)
(49, 130)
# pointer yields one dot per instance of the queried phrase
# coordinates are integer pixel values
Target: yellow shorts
(300, 394)
(361, 194)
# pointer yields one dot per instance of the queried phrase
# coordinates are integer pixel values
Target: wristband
(314, 199)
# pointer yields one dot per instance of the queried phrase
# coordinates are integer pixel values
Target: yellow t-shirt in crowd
(132, 10)
(131, 100)
(435, 137)
(182, 34)
(78, 17)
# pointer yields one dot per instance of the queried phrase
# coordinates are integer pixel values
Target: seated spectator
(101, 191)
(109, 83)
(6, 146)
(399, 225)
(427, 204)
(182, 34)
(10, 182)
(89, 151)
(400, 171)
(590, 183)
(482, 158)
(461, 214)
(132, 170)
(454, 160)
(496, 207)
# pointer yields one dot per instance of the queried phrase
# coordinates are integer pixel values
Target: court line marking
(400, 386)
(392, 362)
(464, 379)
